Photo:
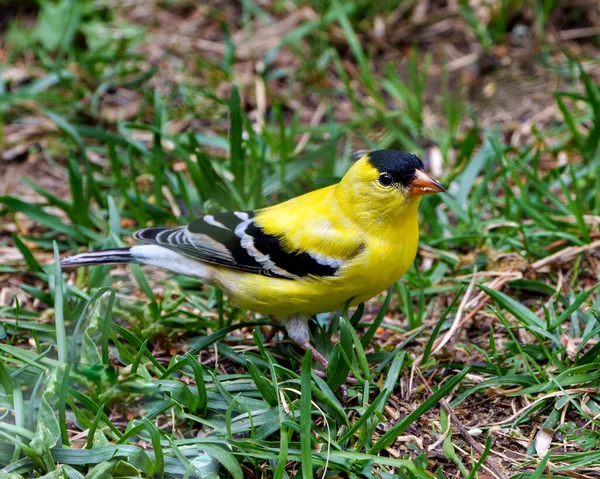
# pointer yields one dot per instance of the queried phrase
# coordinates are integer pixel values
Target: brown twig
(576, 33)
(564, 255)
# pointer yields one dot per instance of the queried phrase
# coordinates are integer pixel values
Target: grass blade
(306, 417)
(158, 469)
(59, 318)
(235, 140)
(32, 263)
(368, 336)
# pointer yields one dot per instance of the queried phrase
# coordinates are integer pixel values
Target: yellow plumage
(308, 255)
(377, 255)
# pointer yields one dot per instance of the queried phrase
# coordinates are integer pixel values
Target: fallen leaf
(543, 440)
(570, 346)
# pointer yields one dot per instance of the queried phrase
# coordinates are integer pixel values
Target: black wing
(234, 240)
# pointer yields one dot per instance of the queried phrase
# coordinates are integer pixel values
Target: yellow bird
(308, 255)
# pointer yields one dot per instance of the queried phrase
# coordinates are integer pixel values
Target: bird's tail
(107, 256)
(150, 254)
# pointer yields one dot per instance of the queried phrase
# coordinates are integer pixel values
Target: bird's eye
(386, 180)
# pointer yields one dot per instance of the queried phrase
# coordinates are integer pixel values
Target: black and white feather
(106, 256)
(234, 240)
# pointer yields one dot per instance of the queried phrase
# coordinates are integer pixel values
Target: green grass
(104, 373)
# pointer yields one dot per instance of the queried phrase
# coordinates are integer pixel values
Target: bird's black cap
(399, 164)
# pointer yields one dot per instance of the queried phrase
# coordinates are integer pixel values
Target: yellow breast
(383, 258)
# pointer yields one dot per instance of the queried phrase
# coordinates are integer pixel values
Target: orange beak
(424, 185)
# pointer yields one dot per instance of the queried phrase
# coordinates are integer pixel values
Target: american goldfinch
(309, 255)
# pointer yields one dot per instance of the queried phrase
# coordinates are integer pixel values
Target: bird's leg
(297, 328)
(315, 354)
(271, 334)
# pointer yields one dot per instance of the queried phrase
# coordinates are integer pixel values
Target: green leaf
(306, 416)
(159, 460)
(178, 391)
(227, 460)
(391, 379)
(532, 285)
(360, 351)
(324, 393)
(59, 318)
(574, 306)
(201, 396)
(592, 355)
(47, 432)
(103, 470)
(56, 474)
(58, 23)
(61, 404)
(123, 469)
(283, 453)
(158, 155)
(79, 211)
(32, 263)
(37, 214)
(365, 416)
(95, 436)
(467, 177)
(337, 371)
(145, 287)
(235, 140)
(521, 313)
(106, 323)
(539, 470)
(368, 336)
(133, 454)
(265, 388)
(114, 219)
(89, 351)
(294, 169)
(6, 381)
(67, 128)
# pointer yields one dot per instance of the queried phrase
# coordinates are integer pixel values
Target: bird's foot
(297, 329)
